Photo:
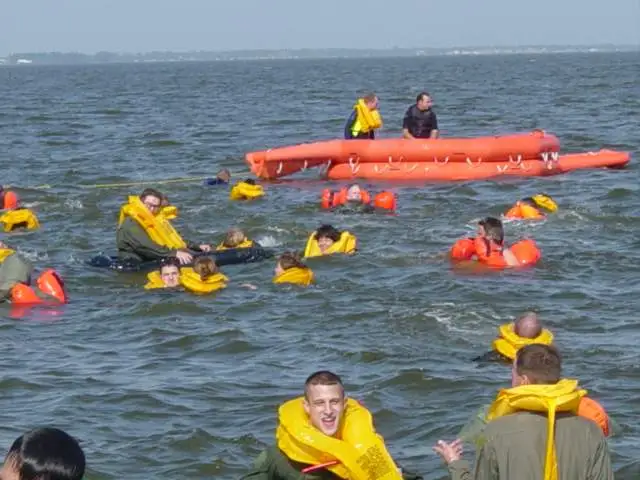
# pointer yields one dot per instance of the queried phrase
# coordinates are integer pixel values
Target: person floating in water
(532, 208)
(488, 247)
(325, 435)
(144, 234)
(15, 281)
(236, 238)
(327, 240)
(356, 198)
(223, 177)
(364, 119)
(290, 269)
(247, 189)
(14, 217)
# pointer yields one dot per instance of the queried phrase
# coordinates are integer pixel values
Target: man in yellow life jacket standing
(145, 235)
(326, 436)
(534, 430)
(364, 119)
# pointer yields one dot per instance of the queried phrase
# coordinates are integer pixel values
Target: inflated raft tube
(477, 170)
(232, 256)
(284, 161)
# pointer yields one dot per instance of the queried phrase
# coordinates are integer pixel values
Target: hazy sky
(144, 25)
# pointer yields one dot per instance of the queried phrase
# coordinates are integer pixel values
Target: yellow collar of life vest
(297, 275)
(5, 252)
(564, 396)
(246, 243)
(190, 280)
(357, 447)
(246, 191)
(169, 212)
(366, 120)
(508, 342)
(22, 217)
(158, 228)
(346, 244)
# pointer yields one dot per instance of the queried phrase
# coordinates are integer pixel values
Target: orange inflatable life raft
(526, 252)
(49, 283)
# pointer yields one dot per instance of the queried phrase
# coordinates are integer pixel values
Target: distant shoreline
(71, 58)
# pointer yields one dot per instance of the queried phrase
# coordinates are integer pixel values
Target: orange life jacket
(490, 253)
(333, 199)
(9, 200)
(523, 210)
(592, 410)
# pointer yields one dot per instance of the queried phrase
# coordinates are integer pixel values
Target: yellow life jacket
(346, 244)
(170, 212)
(245, 244)
(190, 280)
(297, 275)
(359, 449)
(157, 227)
(508, 342)
(366, 120)
(246, 191)
(564, 396)
(5, 252)
(21, 218)
(154, 280)
(545, 201)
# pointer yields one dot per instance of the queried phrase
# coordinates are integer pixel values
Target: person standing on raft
(324, 435)
(145, 235)
(420, 121)
(364, 119)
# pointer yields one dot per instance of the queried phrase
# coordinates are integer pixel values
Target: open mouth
(329, 422)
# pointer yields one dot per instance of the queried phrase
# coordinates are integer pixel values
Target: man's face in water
(325, 406)
(354, 193)
(170, 275)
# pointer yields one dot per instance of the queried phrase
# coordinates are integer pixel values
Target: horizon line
(354, 49)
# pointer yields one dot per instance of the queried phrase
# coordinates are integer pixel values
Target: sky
(89, 26)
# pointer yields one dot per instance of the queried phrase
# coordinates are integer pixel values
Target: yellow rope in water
(127, 184)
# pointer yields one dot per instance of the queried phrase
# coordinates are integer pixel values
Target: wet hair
(205, 267)
(47, 454)
(234, 237)
(327, 231)
(249, 181)
(290, 260)
(541, 364)
(224, 174)
(421, 95)
(151, 192)
(370, 97)
(322, 377)
(493, 229)
(169, 262)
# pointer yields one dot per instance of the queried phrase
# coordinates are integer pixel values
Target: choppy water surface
(163, 385)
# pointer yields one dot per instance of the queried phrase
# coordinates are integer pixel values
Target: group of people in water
(544, 426)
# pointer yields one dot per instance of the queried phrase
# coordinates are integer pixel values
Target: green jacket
(133, 242)
(272, 464)
(514, 447)
(15, 269)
